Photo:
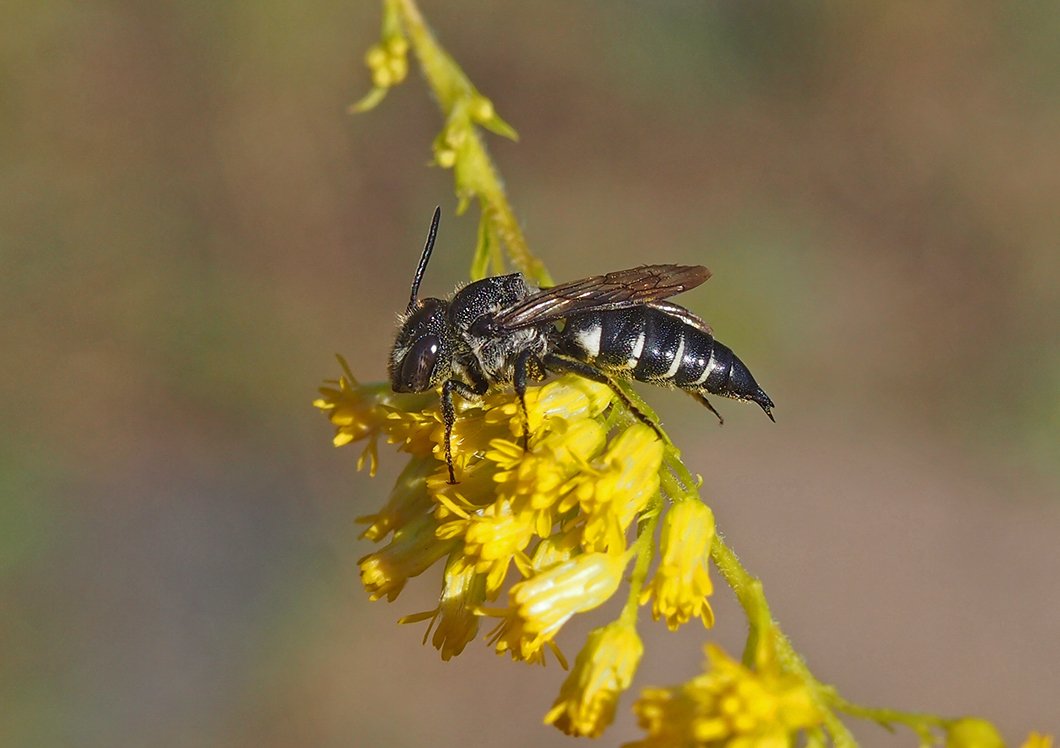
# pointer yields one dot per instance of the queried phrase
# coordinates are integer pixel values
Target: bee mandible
(501, 330)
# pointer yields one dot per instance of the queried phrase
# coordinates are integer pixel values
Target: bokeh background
(191, 225)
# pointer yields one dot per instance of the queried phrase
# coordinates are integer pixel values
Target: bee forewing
(617, 290)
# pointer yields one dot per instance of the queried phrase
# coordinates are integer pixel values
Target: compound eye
(419, 363)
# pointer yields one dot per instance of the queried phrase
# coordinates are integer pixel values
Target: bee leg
(525, 361)
(582, 369)
(703, 399)
(468, 392)
(449, 416)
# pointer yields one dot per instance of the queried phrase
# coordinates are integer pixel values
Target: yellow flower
(456, 617)
(388, 62)
(540, 605)
(357, 412)
(682, 584)
(620, 488)
(554, 550)
(492, 538)
(365, 411)
(730, 706)
(1037, 740)
(973, 732)
(412, 551)
(569, 398)
(541, 477)
(603, 670)
(413, 430)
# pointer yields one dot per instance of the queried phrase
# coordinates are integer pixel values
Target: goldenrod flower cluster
(549, 530)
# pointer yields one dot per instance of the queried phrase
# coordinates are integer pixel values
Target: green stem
(921, 724)
(451, 88)
(750, 595)
(644, 548)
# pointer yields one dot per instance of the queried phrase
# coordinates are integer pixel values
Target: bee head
(421, 355)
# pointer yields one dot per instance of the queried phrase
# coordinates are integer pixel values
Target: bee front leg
(468, 392)
(523, 363)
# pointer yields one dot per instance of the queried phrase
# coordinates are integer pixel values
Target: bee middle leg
(574, 366)
(468, 392)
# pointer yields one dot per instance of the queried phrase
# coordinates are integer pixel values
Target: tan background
(190, 226)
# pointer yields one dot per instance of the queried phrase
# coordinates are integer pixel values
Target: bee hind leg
(703, 399)
(563, 364)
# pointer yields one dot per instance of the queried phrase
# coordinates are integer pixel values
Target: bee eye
(419, 363)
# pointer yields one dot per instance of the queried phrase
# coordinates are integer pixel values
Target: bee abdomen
(641, 342)
(652, 346)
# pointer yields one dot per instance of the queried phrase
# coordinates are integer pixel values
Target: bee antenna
(425, 257)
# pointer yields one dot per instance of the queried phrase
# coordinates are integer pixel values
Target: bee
(501, 330)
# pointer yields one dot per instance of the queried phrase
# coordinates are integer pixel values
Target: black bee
(501, 330)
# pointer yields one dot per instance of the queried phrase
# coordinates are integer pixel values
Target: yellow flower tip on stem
(681, 586)
(397, 46)
(375, 57)
(603, 670)
(481, 109)
(369, 457)
(399, 69)
(382, 77)
(445, 157)
(1038, 740)
(973, 732)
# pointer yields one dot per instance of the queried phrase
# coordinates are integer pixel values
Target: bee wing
(619, 290)
(686, 316)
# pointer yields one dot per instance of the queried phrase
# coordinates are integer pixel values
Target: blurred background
(191, 225)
